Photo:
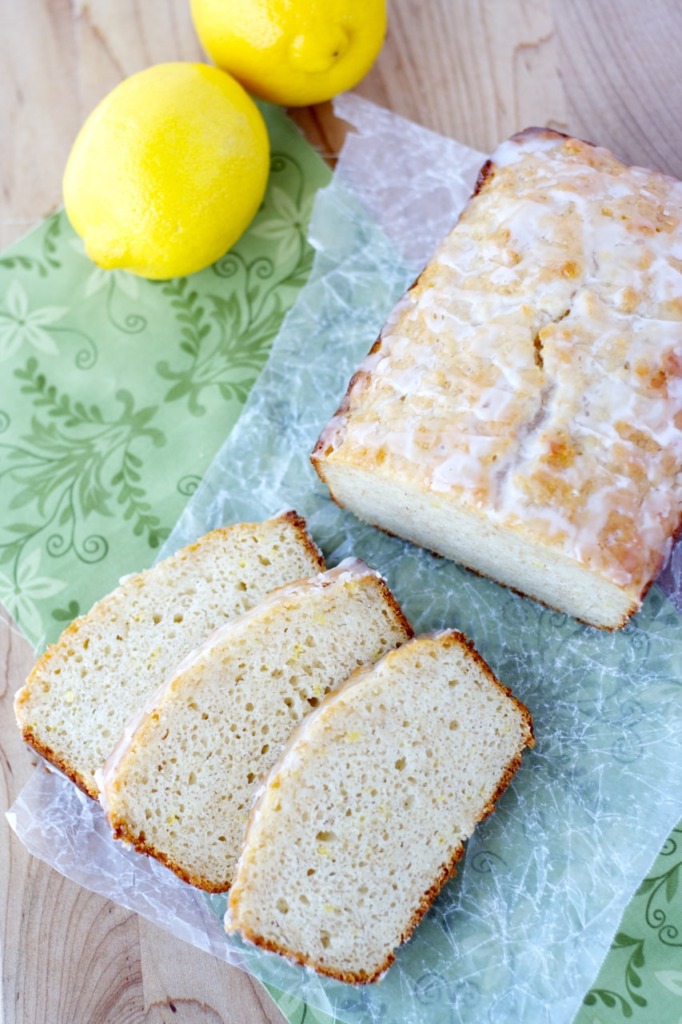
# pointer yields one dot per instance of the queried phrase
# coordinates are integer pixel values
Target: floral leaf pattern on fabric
(23, 587)
(22, 326)
(116, 392)
(111, 282)
(224, 345)
(628, 987)
(75, 460)
(15, 258)
(225, 337)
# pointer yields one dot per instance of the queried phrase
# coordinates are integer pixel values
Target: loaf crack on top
(521, 412)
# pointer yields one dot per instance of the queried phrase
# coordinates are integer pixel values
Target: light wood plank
(202, 989)
(475, 69)
(113, 41)
(37, 60)
(620, 63)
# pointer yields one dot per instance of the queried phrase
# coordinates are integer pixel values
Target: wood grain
(475, 69)
(620, 65)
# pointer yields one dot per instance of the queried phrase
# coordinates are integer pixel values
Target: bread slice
(181, 782)
(87, 685)
(363, 818)
(521, 412)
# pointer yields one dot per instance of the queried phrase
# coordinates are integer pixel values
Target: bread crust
(42, 667)
(307, 542)
(447, 870)
(334, 433)
(134, 739)
(138, 842)
(27, 733)
(56, 761)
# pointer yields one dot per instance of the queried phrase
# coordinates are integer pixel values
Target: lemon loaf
(87, 685)
(181, 782)
(364, 817)
(521, 412)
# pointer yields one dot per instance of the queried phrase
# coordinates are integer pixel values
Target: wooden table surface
(607, 70)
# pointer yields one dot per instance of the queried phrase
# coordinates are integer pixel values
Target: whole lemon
(167, 171)
(292, 52)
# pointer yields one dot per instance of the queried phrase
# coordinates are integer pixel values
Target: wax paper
(520, 933)
(116, 392)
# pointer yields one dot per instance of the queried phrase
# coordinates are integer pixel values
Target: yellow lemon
(292, 52)
(168, 171)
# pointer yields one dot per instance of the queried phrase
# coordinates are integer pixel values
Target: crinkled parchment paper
(521, 931)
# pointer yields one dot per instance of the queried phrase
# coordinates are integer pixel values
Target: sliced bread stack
(178, 693)
(364, 817)
(180, 784)
(86, 687)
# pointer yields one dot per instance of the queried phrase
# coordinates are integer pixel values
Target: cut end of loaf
(465, 535)
(364, 817)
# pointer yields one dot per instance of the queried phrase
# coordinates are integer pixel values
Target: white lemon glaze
(345, 571)
(535, 370)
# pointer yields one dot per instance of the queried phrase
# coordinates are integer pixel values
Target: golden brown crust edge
(456, 638)
(364, 978)
(297, 521)
(395, 608)
(301, 527)
(318, 453)
(22, 696)
(121, 831)
(447, 870)
(57, 762)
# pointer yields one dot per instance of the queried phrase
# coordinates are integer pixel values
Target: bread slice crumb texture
(85, 688)
(181, 784)
(364, 817)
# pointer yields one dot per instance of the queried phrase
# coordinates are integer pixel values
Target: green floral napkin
(116, 392)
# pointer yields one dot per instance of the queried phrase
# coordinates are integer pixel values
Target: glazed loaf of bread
(521, 412)
(181, 781)
(363, 818)
(86, 686)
